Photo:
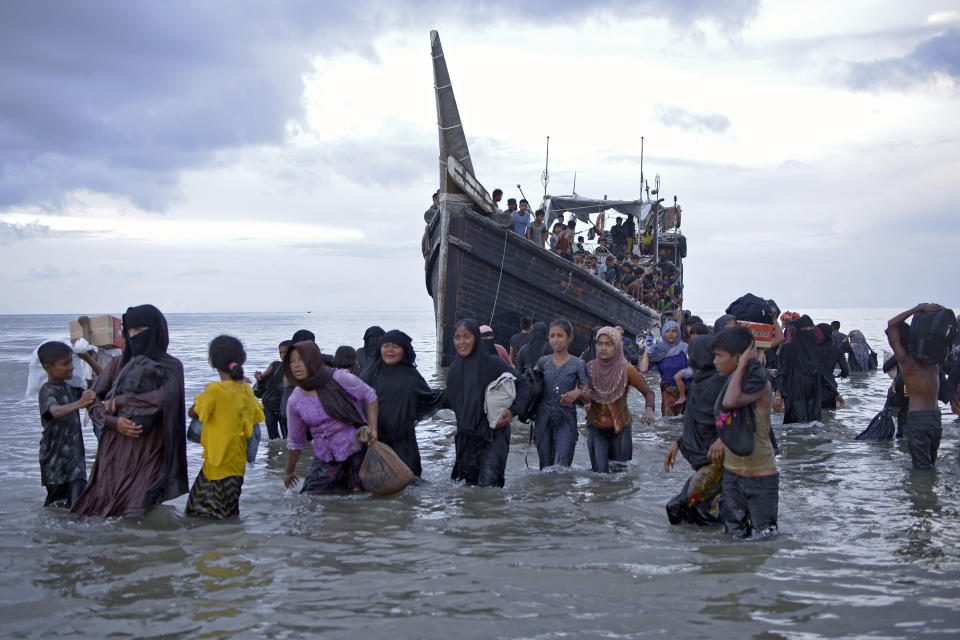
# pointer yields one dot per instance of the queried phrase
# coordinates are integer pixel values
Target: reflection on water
(569, 553)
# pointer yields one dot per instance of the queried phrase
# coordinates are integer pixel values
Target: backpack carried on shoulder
(534, 380)
(931, 335)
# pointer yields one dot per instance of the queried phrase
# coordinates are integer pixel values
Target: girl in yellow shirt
(228, 410)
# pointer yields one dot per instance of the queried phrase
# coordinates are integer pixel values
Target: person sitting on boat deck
(521, 217)
(517, 340)
(635, 288)
(646, 244)
(860, 357)
(669, 356)
(923, 429)
(487, 338)
(699, 500)
(496, 196)
(619, 238)
(612, 273)
(537, 347)
(837, 336)
(537, 230)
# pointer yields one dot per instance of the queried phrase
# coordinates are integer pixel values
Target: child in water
(228, 411)
(751, 484)
(565, 381)
(63, 469)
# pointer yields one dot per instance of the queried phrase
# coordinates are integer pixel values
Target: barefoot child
(63, 468)
(228, 411)
(751, 484)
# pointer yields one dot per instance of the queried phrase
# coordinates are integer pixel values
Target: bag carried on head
(931, 335)
(752, 308)
(382, 471)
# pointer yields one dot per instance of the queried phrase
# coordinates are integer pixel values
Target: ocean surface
(867, 548)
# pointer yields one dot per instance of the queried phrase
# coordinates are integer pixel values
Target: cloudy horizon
(279, 156)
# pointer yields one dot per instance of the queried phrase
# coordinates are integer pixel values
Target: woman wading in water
(609, 432)
(332, 404)
(137, 468)
(481, 452)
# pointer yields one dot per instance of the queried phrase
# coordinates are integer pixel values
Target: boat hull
(477, 269)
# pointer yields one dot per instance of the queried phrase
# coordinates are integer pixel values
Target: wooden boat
(476, 267)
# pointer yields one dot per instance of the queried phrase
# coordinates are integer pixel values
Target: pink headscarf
(608, 378)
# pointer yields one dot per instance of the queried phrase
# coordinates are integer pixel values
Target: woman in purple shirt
(332, 404)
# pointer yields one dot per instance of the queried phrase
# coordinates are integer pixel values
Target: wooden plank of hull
(533, 281)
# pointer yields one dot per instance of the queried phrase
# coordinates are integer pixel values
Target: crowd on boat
(716, 377)
(620, 256)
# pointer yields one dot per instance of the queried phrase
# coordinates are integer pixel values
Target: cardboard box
(762, 333)
(105, 331)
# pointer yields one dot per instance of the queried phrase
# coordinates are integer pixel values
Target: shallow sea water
(867, 548)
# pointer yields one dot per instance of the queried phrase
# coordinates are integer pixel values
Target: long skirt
(325, 476)
(215, 499)
(480, 461)
(668, 395)
(606, 446)
(407, 449)
(699, 500)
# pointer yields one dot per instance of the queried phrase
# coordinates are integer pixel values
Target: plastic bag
(498, 397)
(881, 427)
(36, 376)
(253, 443)
(382, 471)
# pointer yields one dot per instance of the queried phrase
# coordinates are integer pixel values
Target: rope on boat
(503, 258)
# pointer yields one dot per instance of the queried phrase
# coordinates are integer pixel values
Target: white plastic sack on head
(36, 376)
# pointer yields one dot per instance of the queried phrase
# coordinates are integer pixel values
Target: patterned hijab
(861, 350)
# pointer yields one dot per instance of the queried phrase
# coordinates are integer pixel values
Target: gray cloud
(937, 55)
(10, 232)
(121, 96)
(674, 116)
(47, 272)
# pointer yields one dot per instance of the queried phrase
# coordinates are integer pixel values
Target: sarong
(214, 498)
(923, 431)
(668, 395)
(699, 500)
(324, 476)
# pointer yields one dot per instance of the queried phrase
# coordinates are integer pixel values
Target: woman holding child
(140, 462)
(669, 357)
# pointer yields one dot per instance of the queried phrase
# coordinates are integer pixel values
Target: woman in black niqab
(536, 347)
(404, 399)
(481, 452)
(370, 349)
(831, 357)
(134, 473)
(800, 373)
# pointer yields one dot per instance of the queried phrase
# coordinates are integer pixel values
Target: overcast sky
(278, 156)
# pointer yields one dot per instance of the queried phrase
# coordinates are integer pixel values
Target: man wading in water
(923, 428)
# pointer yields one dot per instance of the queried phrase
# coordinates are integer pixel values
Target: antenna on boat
(641, 165)
(574, 183)
(545, 177)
